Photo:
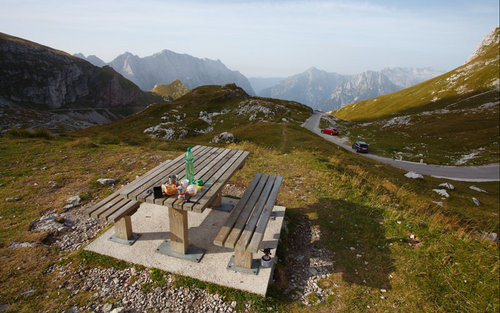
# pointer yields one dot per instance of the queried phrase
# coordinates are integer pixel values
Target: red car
(330, 131)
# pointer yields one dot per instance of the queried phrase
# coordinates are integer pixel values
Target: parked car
(360, 146)
(330, 131)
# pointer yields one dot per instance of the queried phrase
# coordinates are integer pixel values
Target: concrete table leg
(178, 230)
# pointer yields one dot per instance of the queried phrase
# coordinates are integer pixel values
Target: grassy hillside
(451, 119)
(172, 91)
(203, 113)
(391, 247)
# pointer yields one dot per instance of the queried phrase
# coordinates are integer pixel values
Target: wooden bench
(117, 209)
(244, 229)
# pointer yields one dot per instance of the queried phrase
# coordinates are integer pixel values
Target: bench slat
(120, 200)
(235, 213)
(246, 236)
(226, 173)
(258, 234)
(127, 209)
(101, 203)
(247, 210)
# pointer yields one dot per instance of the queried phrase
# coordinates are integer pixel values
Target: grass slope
(364, 212)
(172, 91)
(202, 113)
(451, 119)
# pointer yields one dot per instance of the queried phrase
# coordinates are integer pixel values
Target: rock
(4, 307)
(414, 175)
(399, 222)
(477, 189)
(107, 307)
(223, 137)
(441, 192)
(74, 200)
(383, 290)
(118, 310)
(15, 245)
(476, 202)
(447, 186)
(488, 236)
(28, 292)
(53, 184)
(106, 181)
(440, 203)
(44, 168)
(12, 199)
(73, 309)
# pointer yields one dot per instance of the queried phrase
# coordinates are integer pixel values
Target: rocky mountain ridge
(166, 66)
(329, 91)
(37, 82)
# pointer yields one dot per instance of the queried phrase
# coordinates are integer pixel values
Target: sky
(263, 38)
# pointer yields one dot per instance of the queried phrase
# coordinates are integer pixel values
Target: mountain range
(319, 89)
(166, 66)
(327, 91)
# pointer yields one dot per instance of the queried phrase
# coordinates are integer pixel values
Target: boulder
(477, 189)
(441, 192)
(106, 181)
(447, 186)
(414, 175)
(223, 137)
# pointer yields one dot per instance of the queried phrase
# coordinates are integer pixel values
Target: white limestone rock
(414, 175)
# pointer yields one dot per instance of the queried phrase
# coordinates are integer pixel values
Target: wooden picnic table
(215, 166)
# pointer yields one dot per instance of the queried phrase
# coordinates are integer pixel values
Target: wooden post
(178, 230)
(243, 259)
(123, 228)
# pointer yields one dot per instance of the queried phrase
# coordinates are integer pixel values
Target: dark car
(360, 146)
(330, 131)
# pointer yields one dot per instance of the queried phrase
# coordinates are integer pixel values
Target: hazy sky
(263, 38)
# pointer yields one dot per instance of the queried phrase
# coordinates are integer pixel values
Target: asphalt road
(473, 173)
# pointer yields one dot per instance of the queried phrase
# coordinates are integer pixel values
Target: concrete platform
(151, 222)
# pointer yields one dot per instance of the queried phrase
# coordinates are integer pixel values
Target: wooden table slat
(198, 167)
(253, 247)
(235, 213)
(141, 193)
(228, 172)
(179, 171)
(245, 237)
(235, 233)
(207, 174)
(129, 188)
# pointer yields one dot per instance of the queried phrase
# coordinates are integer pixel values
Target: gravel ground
(135, 291)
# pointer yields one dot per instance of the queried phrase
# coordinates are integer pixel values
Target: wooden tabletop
(215, 166)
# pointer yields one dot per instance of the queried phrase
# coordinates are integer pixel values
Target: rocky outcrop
(36, 77)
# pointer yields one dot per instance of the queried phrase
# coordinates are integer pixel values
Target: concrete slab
(151, 222)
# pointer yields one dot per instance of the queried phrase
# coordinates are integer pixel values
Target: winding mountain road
(489, 172)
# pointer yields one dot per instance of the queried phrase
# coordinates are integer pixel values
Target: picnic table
(215, 166)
